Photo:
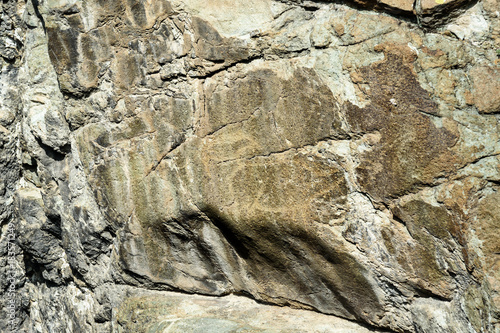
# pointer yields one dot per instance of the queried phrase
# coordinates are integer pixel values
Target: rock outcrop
(338, 159)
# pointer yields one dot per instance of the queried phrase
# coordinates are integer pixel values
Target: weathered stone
(398, 6)
(486, 85)
(411, 150)
(472, 25)
(306, 154)
(485, 226)
(435, 12)
(142, 313)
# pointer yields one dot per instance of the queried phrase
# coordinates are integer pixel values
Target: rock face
(341, 158)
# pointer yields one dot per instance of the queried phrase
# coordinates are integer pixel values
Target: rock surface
(172, 312)
(338, 162)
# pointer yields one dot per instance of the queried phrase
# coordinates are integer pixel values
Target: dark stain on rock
(273, 226)
(420, 215)
(302, 109)
(238, 241)
(63, 48)
(271, 251)
(426, 223)
(138, 12)
(210, 45)
(204, 30)
(73, 57)
(75, 22)
(88, 47)
(412, 151)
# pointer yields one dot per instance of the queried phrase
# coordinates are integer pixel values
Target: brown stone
(486, 88)
(486, 228)
(412, 150)
(405, 6)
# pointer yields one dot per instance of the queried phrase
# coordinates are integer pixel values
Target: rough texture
(167, 311)
(338, 160)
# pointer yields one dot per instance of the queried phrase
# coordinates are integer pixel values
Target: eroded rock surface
(341, 159)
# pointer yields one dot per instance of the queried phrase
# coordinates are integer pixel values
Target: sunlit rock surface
(337, 162)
